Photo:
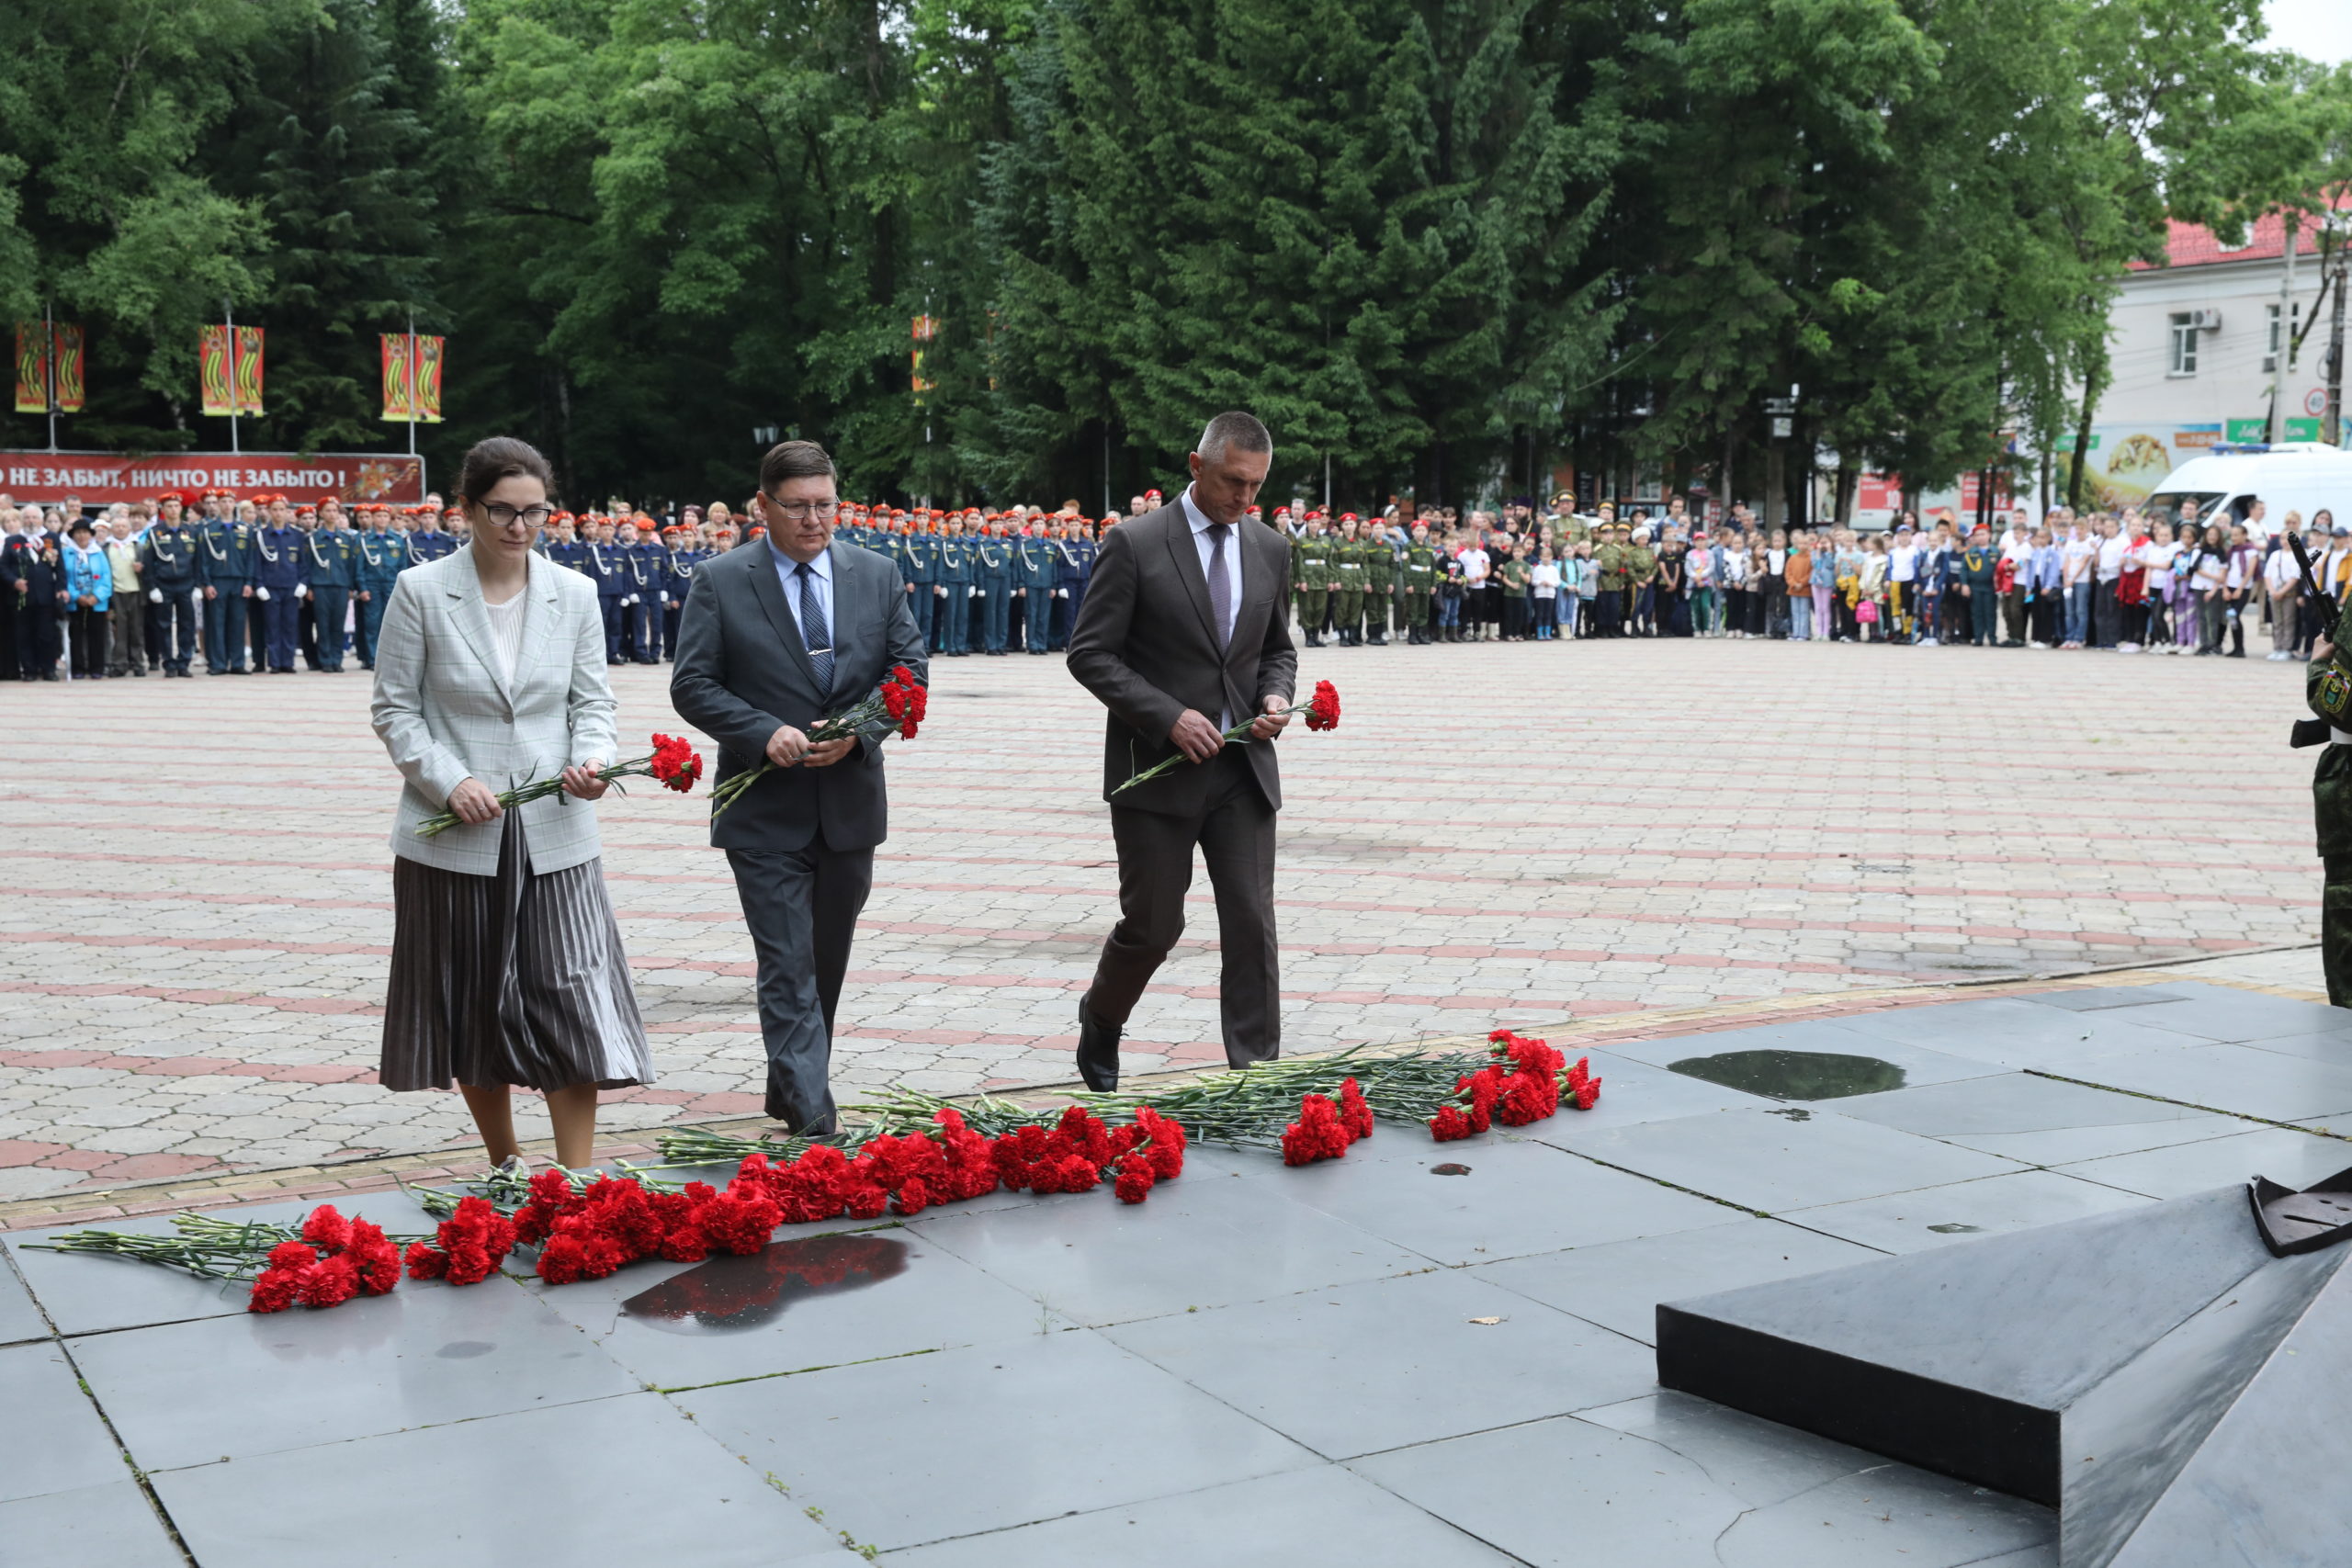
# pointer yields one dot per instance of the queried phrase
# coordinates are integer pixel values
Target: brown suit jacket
(1145, 645)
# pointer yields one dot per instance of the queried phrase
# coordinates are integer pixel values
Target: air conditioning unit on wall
(2205, 321)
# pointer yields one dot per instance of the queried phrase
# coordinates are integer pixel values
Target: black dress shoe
(1098, 1052)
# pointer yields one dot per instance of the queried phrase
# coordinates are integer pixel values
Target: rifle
(2311, 731)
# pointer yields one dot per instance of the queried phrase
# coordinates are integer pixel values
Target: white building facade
(2193, 346)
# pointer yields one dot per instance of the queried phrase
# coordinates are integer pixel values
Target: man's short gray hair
(1241, 431)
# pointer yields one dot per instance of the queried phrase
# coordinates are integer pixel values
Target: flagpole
(412, 384)
(230, 312)
(49, 326)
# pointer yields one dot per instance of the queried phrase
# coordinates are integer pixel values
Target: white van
(2296, 476)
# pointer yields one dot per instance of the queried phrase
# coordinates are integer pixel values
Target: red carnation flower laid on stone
(1320, 1133)
(1322, 711)
(674, 761)
(1524, 1082)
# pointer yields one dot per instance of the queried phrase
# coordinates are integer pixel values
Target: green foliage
(1439, 245)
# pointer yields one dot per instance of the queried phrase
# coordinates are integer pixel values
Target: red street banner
(216, 386)
(101, 479)
(412, 377)
(248, 369)
(428, 378)
(399, 393)
(70, 394)
(32, 366)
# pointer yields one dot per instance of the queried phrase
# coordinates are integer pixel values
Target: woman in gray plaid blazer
(508, 965)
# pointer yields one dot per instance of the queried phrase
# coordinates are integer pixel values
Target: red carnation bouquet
(901, 699)
(1322, 711)
(673, 763)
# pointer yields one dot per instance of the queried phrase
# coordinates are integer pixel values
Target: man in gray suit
(773, 637)
(1184, 633)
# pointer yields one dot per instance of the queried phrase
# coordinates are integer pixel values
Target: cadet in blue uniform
(563, 548)
(278, 584)
(331, 561)
(610, 572)
(382, 554)
(955, 590)
(642, 569)
(225, 567)
(1034, 575)
(918, 562)
(168, 570)
(428, 543)
(992, 575)
(680, 555)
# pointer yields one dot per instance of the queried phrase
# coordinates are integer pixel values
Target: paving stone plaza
(1876, 951)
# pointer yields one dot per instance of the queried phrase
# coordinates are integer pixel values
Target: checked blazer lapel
(474, 624)
(538, 621)
(770, 593)
(1186, 556)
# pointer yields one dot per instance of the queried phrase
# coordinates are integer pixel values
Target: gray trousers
(1236, 833)
(802, 907)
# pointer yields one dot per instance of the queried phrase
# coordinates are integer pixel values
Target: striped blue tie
(817, 635)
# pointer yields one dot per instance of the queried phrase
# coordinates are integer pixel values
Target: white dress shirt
(1201, 524)
(787, 572)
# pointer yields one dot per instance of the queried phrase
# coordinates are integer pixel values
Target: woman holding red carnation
(507, 966)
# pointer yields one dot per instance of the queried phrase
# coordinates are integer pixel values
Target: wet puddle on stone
(1793, 1075)
(729, 1295)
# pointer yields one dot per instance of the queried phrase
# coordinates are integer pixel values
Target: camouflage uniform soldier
(1419, 574)
(1348, 567)
(2328, 686)
(1609, 562)
(1380, 585)
(1311, 578)
(1641, 581)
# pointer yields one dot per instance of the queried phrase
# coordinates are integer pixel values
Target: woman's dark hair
(501, 458)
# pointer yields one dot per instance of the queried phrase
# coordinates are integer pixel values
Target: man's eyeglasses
(506, 516)
(801, 511)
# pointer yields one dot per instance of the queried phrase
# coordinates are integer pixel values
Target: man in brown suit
(1184, 634)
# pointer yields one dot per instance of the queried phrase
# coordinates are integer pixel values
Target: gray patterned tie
(1220, 586)
(815, 633)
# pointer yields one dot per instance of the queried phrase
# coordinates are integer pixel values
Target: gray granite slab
(1520, 1196)
(1938, 1216)
(2014, 1032)
(1566, 1493)
(1619, 1284)
(1792, 1158)
(111, 1526)
(2098, 998)
(2239, 1079)
(1893, 1514)
(1282, 1360)
(2264, 1487)
(1326, 1515)
(759, 1315)
(2041, 1119)
(927, 1447)
(2334, 1047)
(87, 1294)
(188, 1393)
(19, 1318)
(1917, 1063)
(612, 1480)
(2227, 1013)
(52, 1440)
(1759, 1461)
(1199, 1241)
(2295, 1158)
(2127, 1438)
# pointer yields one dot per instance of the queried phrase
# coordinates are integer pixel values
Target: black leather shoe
(1098, 1052)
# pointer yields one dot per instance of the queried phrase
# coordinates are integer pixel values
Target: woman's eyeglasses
(506, 516)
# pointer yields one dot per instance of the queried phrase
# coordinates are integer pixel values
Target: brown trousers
(1235, 830)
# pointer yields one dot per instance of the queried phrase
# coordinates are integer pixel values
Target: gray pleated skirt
(515, 978)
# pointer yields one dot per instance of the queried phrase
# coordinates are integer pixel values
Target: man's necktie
(815, 633)
(1220, 586)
